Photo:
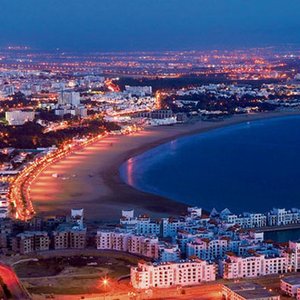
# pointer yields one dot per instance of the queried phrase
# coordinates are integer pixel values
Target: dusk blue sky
(106, 25)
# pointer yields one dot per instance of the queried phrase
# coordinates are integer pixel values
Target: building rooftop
(256, 294)
(249, 290)
(293, 280)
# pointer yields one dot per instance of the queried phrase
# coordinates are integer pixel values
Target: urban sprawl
(56, 103)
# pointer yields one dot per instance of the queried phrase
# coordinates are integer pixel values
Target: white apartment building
(109, 240)
(294, 248)
(128, 219)
(247, 220)
(253, 266)
(66, 97)
(145, 246)
(207, 249)
(165, 275)
(122, 241)
(281, 216)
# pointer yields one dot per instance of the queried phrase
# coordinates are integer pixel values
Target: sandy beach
(90, 179)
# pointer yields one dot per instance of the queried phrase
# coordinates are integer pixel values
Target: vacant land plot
(75, 274)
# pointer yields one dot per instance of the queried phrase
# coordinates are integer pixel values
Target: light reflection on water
(253, 166)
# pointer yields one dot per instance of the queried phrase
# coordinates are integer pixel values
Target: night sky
(106, 25)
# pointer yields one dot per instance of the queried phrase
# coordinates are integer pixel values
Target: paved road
(12, 281)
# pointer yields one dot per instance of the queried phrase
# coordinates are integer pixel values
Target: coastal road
(13, 284)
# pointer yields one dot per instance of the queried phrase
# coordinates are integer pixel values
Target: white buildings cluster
(31, 83)
(228, 90)
(275, 217)
(122, 103)
(282, 95)
(19, 117)
(222, 244)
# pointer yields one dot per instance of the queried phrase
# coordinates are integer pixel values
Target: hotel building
(165, 275)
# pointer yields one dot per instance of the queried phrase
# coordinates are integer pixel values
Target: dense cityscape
(52, 109)
(149, 150)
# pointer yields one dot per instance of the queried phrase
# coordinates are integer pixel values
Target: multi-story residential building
(168, 252)
(164, 275)
(121, 241)
(69, 236)
(294, 251)
(281, 216)
(183, 238)
(253, 265)
(142, 245)
(170, 226)
(128, 220)
(112, 240)
(69, 97)
(146, 226)
(28, 242)
(246, 220)
(290, 285)
(208, 249)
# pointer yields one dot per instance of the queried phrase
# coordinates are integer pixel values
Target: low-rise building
(290, 285)
(247, 291)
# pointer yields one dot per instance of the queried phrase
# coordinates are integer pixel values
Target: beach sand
(90, 179)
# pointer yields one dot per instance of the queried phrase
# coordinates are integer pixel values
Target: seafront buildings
(219, 245)
(186, 250)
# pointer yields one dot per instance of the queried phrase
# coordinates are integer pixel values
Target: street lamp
(105, 283)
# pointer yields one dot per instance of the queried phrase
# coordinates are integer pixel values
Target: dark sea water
(283, 235)
(252, 166)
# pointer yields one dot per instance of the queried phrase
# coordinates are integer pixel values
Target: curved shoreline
(111, 194)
